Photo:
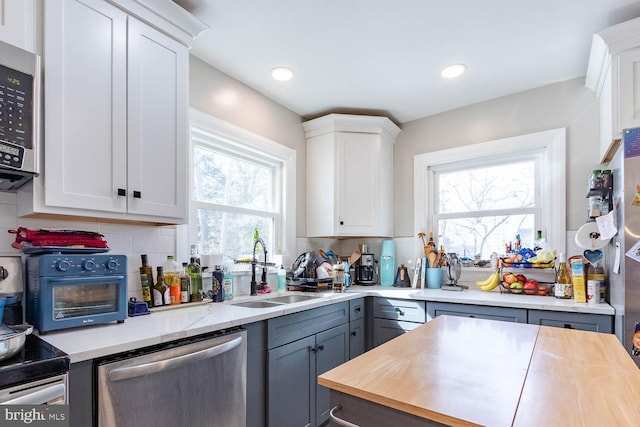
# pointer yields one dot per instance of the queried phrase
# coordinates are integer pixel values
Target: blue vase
(387, 263)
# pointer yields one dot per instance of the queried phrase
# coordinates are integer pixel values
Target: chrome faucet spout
(254, 262)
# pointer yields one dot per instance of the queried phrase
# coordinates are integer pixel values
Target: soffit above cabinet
(351, 123)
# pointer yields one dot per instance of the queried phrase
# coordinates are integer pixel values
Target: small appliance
(453, 270)
(19, 116)
(366, 270)
(70, 290)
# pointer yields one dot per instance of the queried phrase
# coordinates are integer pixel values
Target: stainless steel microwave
(19, 116)
(72, 290)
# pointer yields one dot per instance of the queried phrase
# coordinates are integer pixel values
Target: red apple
(530, 287)
(522, 278)
(504, 276)
(543, 290)
(510, 279)
(516, 287)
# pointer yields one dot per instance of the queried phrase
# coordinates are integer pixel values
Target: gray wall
(215, 93)
(566, 104)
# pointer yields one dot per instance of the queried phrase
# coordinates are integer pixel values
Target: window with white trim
(239, 184)
(479, 198)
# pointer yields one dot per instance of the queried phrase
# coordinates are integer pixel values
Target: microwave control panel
(16, 116)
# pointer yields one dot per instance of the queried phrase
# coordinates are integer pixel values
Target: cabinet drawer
(505, 314)
(385, 329)
(397, 309)
(581, 321)
(286, 329)
(356, 309)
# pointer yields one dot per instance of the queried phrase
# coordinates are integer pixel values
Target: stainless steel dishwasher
(194, 382)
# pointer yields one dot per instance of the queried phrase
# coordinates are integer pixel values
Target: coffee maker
(366, 273)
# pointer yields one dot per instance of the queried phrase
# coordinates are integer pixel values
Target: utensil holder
(434, 278)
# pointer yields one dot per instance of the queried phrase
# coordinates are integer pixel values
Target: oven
(72, 290)
(19, 116)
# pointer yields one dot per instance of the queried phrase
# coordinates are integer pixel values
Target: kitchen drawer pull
(122, 192)
(48, 394)
(357, 309)
(163, 365)
(340, 421)
(400, 312)
(137, 194)
(353, 333)
(320, 347)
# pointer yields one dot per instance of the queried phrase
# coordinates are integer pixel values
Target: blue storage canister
(387, 263)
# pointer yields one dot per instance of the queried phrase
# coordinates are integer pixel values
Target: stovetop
(38, 359)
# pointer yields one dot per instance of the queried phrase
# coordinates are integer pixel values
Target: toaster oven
(72, 290)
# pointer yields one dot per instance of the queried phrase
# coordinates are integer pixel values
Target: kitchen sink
(258, 304)
(288, 299)
(275, 301)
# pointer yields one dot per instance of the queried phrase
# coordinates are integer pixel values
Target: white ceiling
(385, 56)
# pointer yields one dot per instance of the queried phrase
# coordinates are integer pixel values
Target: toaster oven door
(65, 302)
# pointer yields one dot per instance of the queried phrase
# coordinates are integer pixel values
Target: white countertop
(196, 319)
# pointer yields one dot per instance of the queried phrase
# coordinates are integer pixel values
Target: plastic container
(387, 263)
(282, 279)
(172, 278)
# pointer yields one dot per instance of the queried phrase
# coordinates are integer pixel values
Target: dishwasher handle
(39, 397)
(119, 374)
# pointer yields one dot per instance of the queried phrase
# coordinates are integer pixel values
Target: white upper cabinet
(116, 117)
(614, 75)
(350, 176)
(18, 23)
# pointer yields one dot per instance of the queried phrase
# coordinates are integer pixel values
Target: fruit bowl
(528, 288)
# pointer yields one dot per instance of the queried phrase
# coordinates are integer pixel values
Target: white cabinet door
(157, 126)
(18, 23)
(629, 91)
(358, 158)
(85, 105)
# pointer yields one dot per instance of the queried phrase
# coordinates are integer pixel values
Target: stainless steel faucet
(254, 263)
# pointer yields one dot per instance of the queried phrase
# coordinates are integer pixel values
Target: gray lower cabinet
(582, 321)
(505, 314)
(393, 317)
(301, 347)
(357, 327)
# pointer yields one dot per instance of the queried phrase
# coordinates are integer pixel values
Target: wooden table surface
(463, 371)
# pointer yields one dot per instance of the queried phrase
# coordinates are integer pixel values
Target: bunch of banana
(491, 282)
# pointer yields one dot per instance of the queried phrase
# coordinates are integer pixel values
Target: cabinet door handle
(339, 421)
(320, 347)
(341, 222)
(353, 333)
(400, 312)
(122, 192)
(137, 195)
(357, 309)
(568, 326)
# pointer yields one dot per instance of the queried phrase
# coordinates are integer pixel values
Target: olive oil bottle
(146, 281)
(161, 291)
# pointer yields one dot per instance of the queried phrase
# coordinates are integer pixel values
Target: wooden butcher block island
(463, 372)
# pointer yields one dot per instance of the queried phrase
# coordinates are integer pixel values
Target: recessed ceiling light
(282, 74)
(453, 71)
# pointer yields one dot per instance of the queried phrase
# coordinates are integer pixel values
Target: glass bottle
(562, 287)
(185, 284)
(146, 280)
(172, 278)
(195, 272)
(217, 281)
(161, 291)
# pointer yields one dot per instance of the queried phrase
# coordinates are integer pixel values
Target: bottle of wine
(195, 272)
(563, 287)
(185, 284)
(161, 291)
(146, 281)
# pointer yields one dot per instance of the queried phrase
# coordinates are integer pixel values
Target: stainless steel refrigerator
(624, 285)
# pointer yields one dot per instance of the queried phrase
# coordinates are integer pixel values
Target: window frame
(551, 146)
(250, 146)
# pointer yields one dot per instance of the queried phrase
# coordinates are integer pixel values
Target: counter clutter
(160, 327)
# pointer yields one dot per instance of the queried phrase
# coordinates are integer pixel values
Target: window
(240, 182)
(479, 197)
